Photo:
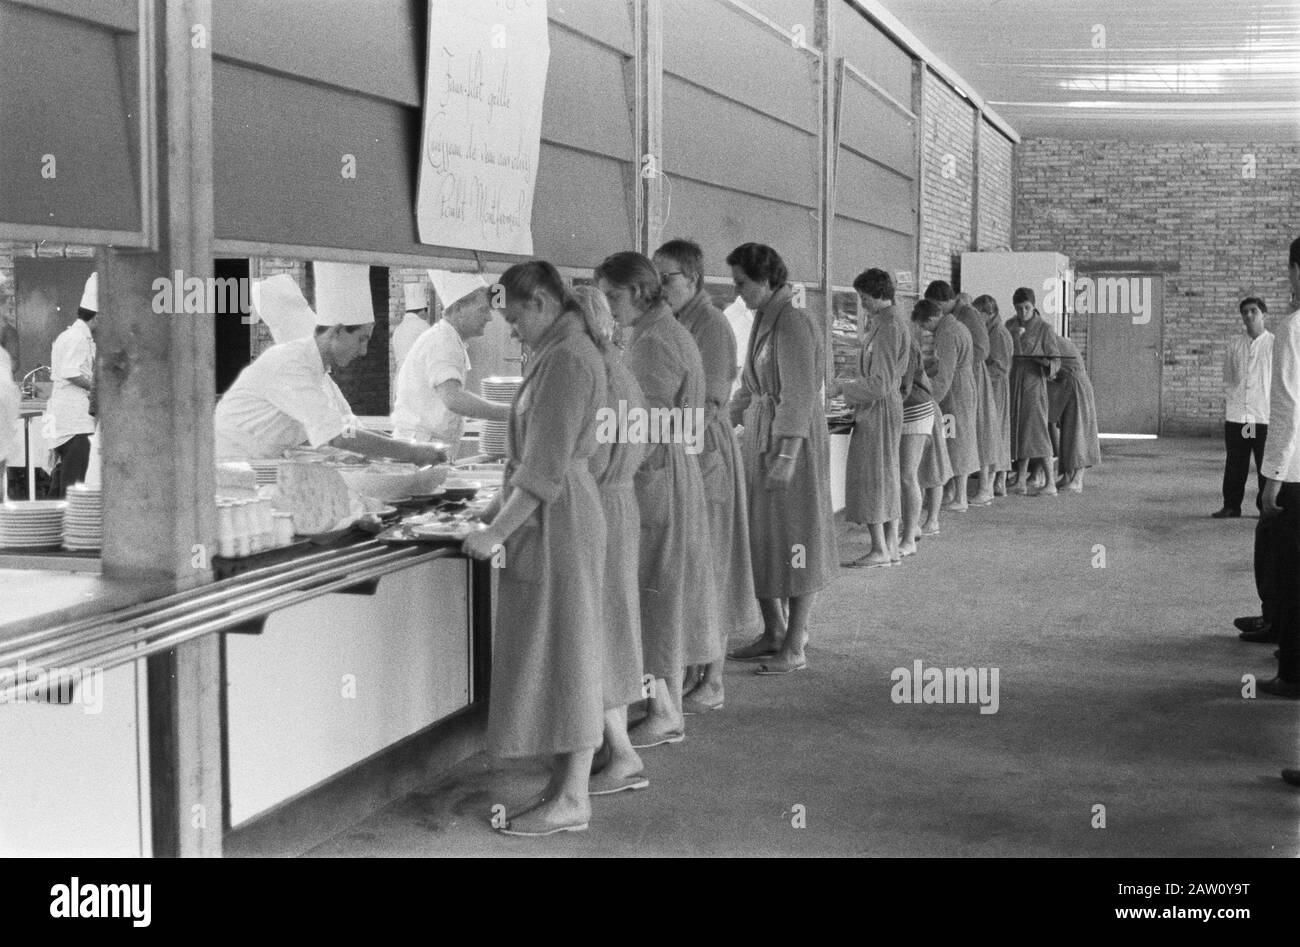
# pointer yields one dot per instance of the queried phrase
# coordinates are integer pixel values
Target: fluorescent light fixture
(1128, 437)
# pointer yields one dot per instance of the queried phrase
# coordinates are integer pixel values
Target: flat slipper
(737, 656)
(771, 670)
(543, 833)
(861, 563)
(692, 707)
(658, 739)
(625, 783)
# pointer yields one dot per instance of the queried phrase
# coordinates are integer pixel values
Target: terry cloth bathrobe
(679, 611)
(872, 492)
(723, 470)
(781, 394)
(936, 467)
(986, 403)
(614, 465)
(1036, 356)
(954, 386)
(998, 368)
(547, 648)
(1072, 406)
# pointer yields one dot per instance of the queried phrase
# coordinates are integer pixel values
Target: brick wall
(996, 178)
(947, 177)
(1185, 205)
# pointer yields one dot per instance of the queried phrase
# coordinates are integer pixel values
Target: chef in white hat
(413, 323)
(432, 403)
(69, 416)
(287, 399)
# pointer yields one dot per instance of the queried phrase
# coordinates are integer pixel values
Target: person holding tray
(548, 654)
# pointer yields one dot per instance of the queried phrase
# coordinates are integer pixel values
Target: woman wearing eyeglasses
(681, 268)
(787, 459)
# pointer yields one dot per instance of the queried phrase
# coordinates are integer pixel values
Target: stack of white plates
(492, 437)
(83, 521)
(268, 471)
(31, 524)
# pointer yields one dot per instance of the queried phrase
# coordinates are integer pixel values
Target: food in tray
(317, 496)
(392, 481)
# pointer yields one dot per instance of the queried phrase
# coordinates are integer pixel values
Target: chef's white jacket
(284, 399)
(1282, 449)
(73, 355)
(405, 336)
(438, 356)
(1248, 374)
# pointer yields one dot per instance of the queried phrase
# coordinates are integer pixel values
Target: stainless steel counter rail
(24, 646)
(135, 640)
(129, 651)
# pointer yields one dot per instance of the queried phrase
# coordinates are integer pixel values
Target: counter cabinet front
(326, 685)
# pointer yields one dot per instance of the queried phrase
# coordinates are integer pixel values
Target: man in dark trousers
(1247, 372)
(1277, 537)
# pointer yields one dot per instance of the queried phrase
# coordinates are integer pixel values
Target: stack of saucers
(83, 521)
(268, 471)
(492, 437)
(31, 524)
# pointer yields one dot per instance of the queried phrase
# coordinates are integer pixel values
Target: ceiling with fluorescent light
(1194, 70)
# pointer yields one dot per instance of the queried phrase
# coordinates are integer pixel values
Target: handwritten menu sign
(482, 123)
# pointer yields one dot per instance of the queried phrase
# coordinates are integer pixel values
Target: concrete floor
(1119, 687)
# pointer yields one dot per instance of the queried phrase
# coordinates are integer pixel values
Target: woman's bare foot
(532, 802)
(907, 549)
(707, 696)
(930, 529)
(982, 499)
(562, 814)
(761, 647)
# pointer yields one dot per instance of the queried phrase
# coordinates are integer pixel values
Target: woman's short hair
(986, 304)
(925, 310)
(760, 263)
(1252, 300)
(688, 256)
(522, 280)
(940, 292)
(1023, 295)
(634, 272)
(877, 284)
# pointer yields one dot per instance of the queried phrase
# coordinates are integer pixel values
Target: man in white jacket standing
(1277, 537)
(1247, 374)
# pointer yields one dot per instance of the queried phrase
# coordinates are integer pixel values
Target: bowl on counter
(392, 482)
(456, 489)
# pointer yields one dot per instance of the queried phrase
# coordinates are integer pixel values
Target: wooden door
(1125, 351)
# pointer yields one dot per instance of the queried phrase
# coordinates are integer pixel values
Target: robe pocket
(654, 496)
(717, 484)
(526, 554)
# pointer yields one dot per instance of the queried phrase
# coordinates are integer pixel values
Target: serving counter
(328, 660)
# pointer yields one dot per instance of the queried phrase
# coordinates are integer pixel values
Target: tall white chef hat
(343, 294)
(453, 286)
(279, 303)
(90, 295)
(416, 296)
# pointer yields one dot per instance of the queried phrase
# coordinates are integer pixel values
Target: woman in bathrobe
(986, 403)
(954, 385)
(679, 610)
(787, 458)
(998, 368)
(614, 465)
(1072, 408)
(547, 652)
(872, 489)
(681, 268)
(1036, 360)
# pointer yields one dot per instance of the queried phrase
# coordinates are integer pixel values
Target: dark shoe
(1280, 688)
(1225, 513)
(1291, 777)
(1251, 623)
(1265, 635)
